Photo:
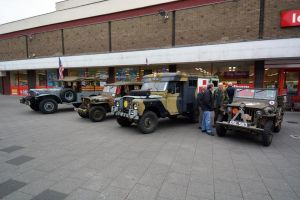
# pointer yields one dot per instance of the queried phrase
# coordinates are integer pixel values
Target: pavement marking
(19, 160)
(11, 149)
(9, 187)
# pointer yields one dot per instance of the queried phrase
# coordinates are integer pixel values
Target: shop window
(41, 78)
(127, 74)
(291, 82)
(271, 78)
(51, 78)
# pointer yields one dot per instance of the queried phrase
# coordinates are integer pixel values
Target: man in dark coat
(230, 91)
(207, 107)
(200, 96)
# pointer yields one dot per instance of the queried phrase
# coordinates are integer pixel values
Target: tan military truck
(96, 107)
(162, 95)
(256, 111)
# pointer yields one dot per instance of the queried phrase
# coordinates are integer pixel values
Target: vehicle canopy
(166, 77)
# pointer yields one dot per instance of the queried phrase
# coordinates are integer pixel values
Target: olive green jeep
(96, 107)
(257, 111)
(162, 95)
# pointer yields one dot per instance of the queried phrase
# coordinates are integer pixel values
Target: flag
(60, 69)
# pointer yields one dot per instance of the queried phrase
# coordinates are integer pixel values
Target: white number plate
(243, 124)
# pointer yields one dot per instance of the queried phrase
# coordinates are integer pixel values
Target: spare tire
(68, 95)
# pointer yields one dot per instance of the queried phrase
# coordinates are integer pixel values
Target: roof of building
(74, 10)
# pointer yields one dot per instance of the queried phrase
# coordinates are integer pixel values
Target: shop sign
(290, 18)
(250, 85)
(236, 74)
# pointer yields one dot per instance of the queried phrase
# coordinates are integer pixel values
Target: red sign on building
(290, 18)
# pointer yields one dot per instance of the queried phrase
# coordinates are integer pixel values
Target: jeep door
(174, 97)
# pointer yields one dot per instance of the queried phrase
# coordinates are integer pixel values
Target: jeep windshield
(109, 90)
(256, 94)
(155, 86)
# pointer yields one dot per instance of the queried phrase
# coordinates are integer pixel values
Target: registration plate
(236, 123)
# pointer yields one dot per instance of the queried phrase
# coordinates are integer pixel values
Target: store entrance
(289, 85)
(19, 83)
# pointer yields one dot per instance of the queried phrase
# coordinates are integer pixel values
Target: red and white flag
(60, 69)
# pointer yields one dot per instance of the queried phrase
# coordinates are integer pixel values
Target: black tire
(82, 114)
(48, 106)
(34, 106)
(124, 122)
(267, 135)
(221, 130)
(277, 128)
(148, 122)
(68, 95)
(97, 113)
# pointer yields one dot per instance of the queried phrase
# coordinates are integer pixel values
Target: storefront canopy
(254, 50)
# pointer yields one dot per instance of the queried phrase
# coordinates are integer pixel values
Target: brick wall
(13, 49)
(141, 32)
(272, 27)
(45, 44)
(86, 39)
(224, 22)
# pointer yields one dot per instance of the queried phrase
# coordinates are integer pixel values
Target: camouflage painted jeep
(257, 111)
(70, 92)
(162, 95)
(96, 107)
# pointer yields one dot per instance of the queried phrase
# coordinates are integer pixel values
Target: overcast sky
(12, 10)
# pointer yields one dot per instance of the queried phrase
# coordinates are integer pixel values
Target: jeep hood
(45, 91)
(251, 103)
(98, 98)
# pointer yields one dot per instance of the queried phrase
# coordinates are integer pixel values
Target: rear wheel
(148, 122)
(123, 121)
(68, 95)
(221, 130)
(48, 106)
(97, 113)
(267, 135)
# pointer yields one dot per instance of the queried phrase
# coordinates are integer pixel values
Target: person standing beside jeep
(230, 92)
(220, 97)
(207, 107)
(200, 96)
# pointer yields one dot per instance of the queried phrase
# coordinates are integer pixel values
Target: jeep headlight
(135, 106)
(259, 113)
(269, 110)
(117, 104)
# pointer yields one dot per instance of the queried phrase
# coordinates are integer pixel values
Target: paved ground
(61, 156)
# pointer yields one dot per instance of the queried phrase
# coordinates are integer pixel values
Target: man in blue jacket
(207, 107)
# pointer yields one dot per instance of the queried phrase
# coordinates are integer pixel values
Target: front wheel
(221, 130)
(48, 106)
(97, 113)
(148, 122)
(124, 122)
(82, 114)
(34, 106)
(277, 128)
(267, 135)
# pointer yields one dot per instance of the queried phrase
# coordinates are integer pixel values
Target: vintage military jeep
(258, 111)
(162, 95)
(96, 107)
(47, 100)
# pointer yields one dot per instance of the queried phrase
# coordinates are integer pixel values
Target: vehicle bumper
(132, 114)
(27, 100)
(83, 111)
(236, 127)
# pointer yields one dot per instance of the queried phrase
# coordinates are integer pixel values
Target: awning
(241, 51)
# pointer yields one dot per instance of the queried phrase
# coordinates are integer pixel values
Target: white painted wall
(255, 50)
(91, 10)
